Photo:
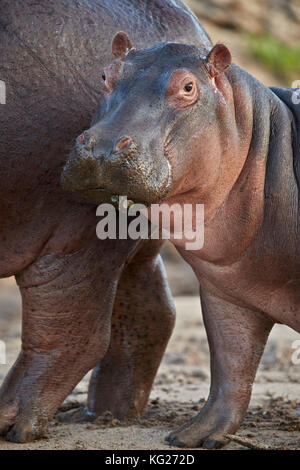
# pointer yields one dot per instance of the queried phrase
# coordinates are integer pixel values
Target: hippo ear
(121, 44)
(218, 60)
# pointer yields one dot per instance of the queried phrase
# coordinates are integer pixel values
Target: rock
(280, 18)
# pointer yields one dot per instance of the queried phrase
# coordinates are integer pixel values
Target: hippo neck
(234, 224)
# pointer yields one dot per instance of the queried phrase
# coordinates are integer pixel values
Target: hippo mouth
(101, 196)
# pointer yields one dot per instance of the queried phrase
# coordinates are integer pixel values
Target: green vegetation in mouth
(126, 204)
(281, 59)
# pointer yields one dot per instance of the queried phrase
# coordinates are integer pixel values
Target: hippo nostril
(81, 139)
(123, 143)
(87, 140)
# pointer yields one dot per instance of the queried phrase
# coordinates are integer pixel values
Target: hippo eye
(188, 88)
(104, 76)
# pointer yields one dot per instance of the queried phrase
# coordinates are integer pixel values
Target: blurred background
(264, 38)
(263, 35)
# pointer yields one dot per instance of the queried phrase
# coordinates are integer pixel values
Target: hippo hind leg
(237, 337)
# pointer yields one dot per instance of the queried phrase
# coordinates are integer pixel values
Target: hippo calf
(181, 124)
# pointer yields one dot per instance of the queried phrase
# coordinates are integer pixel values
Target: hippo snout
(115, 166)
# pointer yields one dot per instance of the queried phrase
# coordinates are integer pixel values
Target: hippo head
(158, 107)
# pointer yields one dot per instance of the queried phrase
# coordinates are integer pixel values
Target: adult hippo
(52, 56)
(220, 138)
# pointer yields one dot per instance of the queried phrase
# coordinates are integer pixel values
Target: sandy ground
(180, 388)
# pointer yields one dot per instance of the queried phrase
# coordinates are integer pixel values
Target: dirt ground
(180, 388)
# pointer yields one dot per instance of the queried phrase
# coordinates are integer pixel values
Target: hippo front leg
(67, 305)
(142, 322)
(237, 337)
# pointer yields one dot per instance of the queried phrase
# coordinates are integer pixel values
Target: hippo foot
(208, 430)
(23, 432)
(15, 426)
(79, 414)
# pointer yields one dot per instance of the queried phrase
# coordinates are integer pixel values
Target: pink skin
(81, 139)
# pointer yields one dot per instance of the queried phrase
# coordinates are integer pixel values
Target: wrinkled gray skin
(85, 302)
(231, 144)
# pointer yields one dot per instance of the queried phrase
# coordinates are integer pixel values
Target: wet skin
(226, 141)
(86, 303)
